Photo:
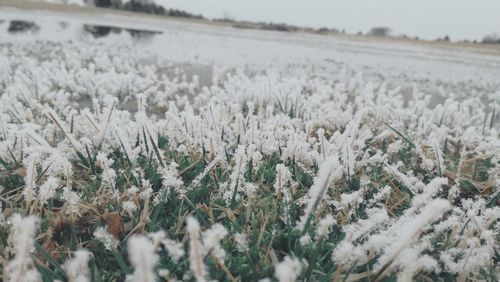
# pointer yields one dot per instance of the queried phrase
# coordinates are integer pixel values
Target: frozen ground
(203, 48)
(206, 152)
(195, 43)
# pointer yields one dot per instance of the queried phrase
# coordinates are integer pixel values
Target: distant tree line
(488, 39)
(149, 7)
(276, 26)
(446, 38)
(385, 32)
(491, 39)
(380, 31)
(143, 6)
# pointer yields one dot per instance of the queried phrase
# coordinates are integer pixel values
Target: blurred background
(455, 20)
(447, 41)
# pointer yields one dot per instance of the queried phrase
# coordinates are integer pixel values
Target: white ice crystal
(324, 226)
(196, 263)
(77, 267)
(22, 242)
(407, 232)
(241, 242)
(288, 270)
(143, 257)
(211, 241)
(330, 171)
(107, 239)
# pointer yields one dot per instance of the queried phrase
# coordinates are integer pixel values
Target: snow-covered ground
(182, 41)
(75, 2)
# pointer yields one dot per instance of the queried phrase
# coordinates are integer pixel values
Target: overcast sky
(460, 19)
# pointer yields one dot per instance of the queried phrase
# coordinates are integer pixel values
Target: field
(145, 149)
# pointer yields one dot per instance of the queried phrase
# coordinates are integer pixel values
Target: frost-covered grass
(110, 170)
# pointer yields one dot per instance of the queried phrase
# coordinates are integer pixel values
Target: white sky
(460, 19)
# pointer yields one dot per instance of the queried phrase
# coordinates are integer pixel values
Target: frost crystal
(143, 257)
(77, 267)
(22, 242)
(288, 270)
(195, 250)
(108, 240)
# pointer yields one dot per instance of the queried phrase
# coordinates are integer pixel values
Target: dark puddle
(100, 31)
(22, 27)
(142, 34)
(96, 31)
